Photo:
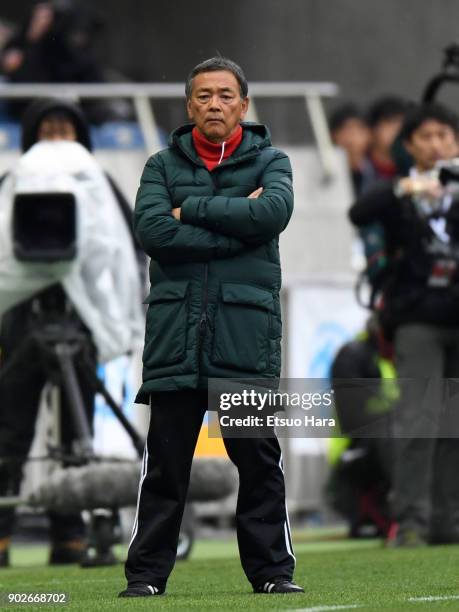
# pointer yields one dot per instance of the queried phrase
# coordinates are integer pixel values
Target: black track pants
(262, 523)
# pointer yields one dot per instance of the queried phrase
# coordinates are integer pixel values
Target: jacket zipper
(205, 295)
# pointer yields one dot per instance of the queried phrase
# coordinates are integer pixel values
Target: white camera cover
(102, 281)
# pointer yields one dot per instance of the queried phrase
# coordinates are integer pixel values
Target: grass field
(337, 575)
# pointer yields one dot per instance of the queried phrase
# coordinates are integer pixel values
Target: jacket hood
(40, 108)
(256, 136)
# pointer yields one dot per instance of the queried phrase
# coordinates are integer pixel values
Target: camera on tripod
(44, 227)
(44, 230)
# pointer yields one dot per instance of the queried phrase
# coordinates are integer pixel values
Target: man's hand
(254, 195)
(176, 212)
(423, 186)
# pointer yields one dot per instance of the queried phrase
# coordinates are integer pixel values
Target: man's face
(53, 128)
(431, 142)
(354, 137)
(385, 132)
(215, 104)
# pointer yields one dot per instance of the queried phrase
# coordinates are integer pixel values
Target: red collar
(213, 154)
(385, 169)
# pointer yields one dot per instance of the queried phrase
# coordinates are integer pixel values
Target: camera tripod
(63, 349)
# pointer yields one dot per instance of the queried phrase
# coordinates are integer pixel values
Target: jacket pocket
(241, 330)
(166, 325)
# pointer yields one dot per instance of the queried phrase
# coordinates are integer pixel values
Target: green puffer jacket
(213, 308)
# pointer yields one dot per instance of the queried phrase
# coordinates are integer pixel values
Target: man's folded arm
(166, 239)
(252, 220)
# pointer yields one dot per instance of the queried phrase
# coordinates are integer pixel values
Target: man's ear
(188, 109)
(244, 107)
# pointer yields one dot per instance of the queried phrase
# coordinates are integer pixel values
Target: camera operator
(45, 120)
(421, 311)
(56, 119)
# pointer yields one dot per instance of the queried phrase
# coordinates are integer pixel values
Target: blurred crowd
(368, 136)
(59, 41)
(395, 474)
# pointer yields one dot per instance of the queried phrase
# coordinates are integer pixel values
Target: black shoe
(142, 590)
(279, 584)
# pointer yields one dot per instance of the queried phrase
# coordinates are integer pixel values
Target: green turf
(334, 573)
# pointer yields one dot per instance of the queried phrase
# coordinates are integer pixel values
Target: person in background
(350, 132)
(384, 117)
(56, 119)
(361, 463)
(420, 312)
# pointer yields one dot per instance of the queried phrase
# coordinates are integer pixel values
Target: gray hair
(212, 65)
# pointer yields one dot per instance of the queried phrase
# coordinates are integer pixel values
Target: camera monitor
(44, 227)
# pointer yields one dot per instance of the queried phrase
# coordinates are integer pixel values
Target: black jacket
(214, 307)
(413, 253)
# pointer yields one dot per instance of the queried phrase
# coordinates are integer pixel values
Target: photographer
(57, 125)
(361, 463)
(421, 312)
